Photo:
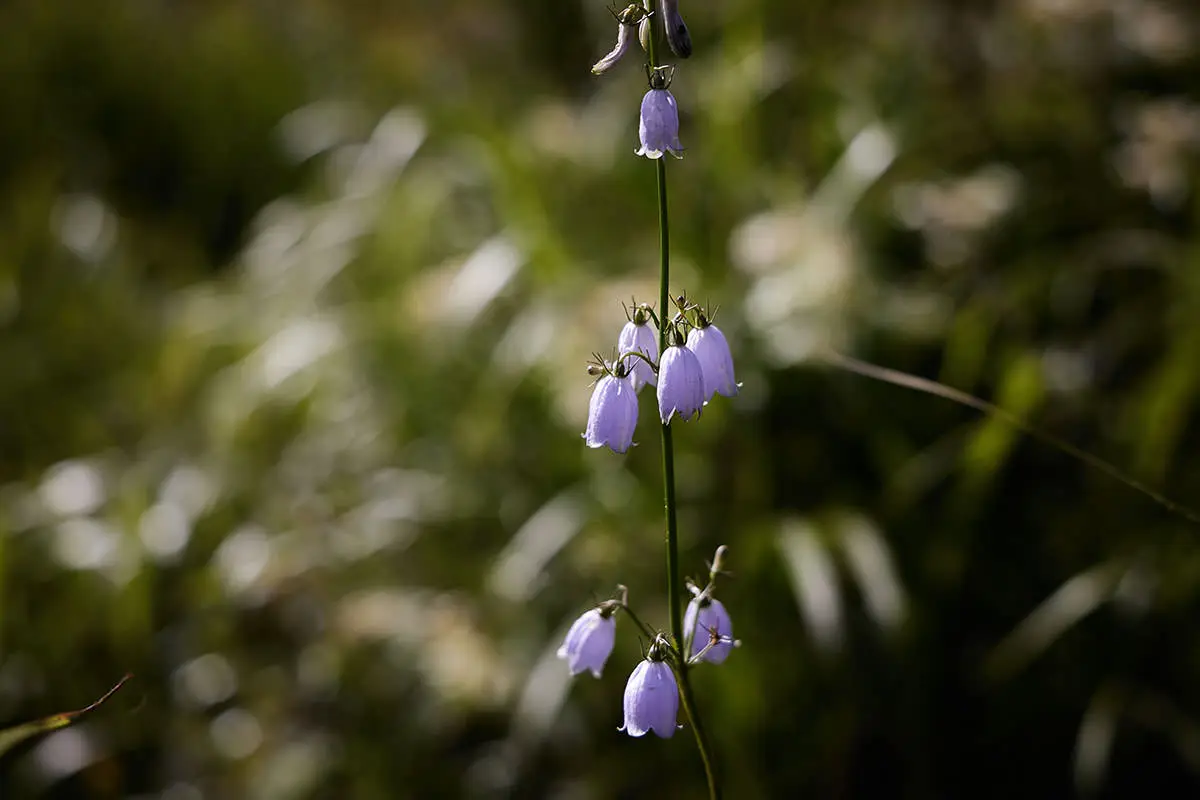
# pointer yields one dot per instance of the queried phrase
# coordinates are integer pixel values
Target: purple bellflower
(680, 384)
(703, 618)
(612, 413)
(589, 642)
(658, 127)
(651, 700)
(710, 347)
(638, 336)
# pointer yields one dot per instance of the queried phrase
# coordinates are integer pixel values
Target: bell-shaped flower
(612, 413)
(658, 127)
(589, 642)
(651, 700)
(639, 337)
(707, 623)
(710, 347)
(680, 384)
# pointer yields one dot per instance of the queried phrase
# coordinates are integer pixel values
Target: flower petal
(651, 700)
(589, 642)
(699, 620)
(658, 124)
(680, 384)
(612, 414)
(716, 363)
(624, 39)
(639, 338)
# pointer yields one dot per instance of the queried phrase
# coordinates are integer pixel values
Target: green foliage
(294, 305)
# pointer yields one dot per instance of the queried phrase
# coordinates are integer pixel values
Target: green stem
(643, 627)
(673, 589)
(668, 447)
(689, 708)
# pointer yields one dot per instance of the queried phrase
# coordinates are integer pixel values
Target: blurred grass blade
(1159, 712)
(1094, 743)
(918, 384)
(10, 737)
(518, 572)
(870, 561)
(814, 581)
(1021, 391)
(1074, 600)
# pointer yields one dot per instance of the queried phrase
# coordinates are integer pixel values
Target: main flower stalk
(674, 590)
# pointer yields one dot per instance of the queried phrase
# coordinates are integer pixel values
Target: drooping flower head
(680, 383)
(612, 413)
(590, 640)
(651, 698)
(716, 363)
(707, 622)
(638, 336)
(627, 21)
(658, 125)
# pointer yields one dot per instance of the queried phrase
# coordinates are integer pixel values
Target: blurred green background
(295, 299)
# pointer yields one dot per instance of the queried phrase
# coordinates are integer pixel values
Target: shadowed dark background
(295, 299)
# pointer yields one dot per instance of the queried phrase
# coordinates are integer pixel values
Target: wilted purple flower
(658, 127)
(710, 347)
(627, 21)
(651, 700)
(680, 384)
(703, 618)
(589, 642)
(639, 336)
(612, 414)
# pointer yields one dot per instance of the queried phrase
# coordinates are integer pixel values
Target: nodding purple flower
(640, 337)
(651, 700)
(704, 618)
(589, 642)
(625, 30)
(658, 127)
(710, 347)
(612, 413)
(680, 384)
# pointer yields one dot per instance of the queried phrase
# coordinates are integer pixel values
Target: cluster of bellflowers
(652, 691)
(695, 367)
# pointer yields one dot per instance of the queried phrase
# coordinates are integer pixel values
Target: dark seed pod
(678, 37)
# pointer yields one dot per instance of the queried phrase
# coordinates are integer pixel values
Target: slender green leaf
(10, 737)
